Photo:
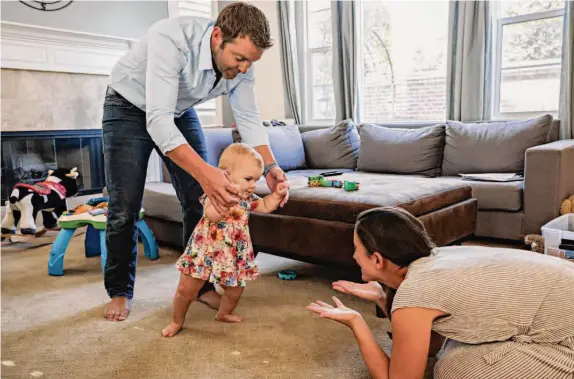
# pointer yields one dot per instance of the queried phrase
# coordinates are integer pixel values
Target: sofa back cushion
(491, 147)
(286, 145)
(401, 151)
(335, 147)
(216, 140)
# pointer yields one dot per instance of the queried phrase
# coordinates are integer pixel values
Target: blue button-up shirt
(170, 70)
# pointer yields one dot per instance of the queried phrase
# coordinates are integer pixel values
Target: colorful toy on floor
(287, 275)
(48, 197)
(93, 214)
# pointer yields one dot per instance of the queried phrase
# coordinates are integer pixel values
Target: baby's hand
(281, 189)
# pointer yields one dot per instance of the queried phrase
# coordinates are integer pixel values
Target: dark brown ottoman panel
(328, 241)
(332, 241)
(452, 223)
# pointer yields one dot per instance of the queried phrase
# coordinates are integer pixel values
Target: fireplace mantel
(38, 48)
(30, 47)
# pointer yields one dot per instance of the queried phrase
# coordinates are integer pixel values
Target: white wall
(115, 18)
(268, 75)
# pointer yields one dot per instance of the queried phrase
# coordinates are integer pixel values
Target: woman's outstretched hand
(371, 291)
(341, 313)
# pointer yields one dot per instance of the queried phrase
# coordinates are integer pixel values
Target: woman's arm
(411, 340)
(374, 357)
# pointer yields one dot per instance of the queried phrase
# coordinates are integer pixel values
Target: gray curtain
(468, 61)
(345, 59)
(566, 110)
(289, 60)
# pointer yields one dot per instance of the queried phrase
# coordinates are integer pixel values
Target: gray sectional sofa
(415, 168)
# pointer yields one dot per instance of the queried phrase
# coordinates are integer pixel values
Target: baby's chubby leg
(186, 293)
(228, 303)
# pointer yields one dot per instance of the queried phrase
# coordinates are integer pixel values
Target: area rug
(52, 327)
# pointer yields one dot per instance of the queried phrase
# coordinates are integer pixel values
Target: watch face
(48, 5)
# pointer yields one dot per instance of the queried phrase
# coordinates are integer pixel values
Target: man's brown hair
(244, 20)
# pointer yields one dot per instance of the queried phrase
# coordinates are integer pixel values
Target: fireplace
(27, 157)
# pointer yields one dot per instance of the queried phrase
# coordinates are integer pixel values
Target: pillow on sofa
(492, 147)
(286, 144)
(335, 147)
(401, 151)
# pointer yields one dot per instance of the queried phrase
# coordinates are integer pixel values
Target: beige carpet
(52, 327)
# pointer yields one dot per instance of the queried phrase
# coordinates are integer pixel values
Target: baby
(220, 248)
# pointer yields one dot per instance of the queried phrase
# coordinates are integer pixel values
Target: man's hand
(218, 188)
(275, 177)
(213, 181)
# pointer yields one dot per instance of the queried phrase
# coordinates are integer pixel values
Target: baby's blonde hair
(237, 151)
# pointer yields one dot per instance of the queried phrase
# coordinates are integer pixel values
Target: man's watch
(268, 168)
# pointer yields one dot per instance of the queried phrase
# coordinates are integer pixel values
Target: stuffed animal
(536, 242)
(48, 196)
(567, 206)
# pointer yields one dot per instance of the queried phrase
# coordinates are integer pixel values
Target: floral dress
(221, 252)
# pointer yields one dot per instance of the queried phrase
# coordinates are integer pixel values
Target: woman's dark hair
(395, 234)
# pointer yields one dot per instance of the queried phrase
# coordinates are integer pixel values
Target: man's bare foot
(171, 330)
(118, 309)
(211, 299)
(229, 318)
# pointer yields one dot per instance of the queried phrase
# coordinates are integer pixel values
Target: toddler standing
(220, 249)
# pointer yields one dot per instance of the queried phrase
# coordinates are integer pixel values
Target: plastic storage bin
(557, 230)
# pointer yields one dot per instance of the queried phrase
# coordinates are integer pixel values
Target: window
(197, 8)
(526, 60)
(208, 111)
(319, 99)
(403, 48)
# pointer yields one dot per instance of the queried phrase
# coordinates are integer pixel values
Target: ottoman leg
(148, 240)
(59, 247)
(92, 242)
(103, 249)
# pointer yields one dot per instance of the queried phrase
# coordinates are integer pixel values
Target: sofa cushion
(401, 151)
(494, 196)
(416, 194)
(216, 139)
(335, 147)
(492, 147)
(160, 201)
(286, 144)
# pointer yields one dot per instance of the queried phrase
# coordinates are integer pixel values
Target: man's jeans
(127, 148)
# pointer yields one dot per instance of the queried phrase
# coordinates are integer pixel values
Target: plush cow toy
(49, 197)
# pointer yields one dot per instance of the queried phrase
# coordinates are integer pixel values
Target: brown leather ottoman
(317, 223)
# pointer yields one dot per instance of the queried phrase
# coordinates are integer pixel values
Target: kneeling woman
(504, 313)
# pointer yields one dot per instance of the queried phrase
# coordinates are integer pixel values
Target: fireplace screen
(27, 157)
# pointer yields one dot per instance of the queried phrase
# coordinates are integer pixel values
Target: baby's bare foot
(171, 330)
(229, 318)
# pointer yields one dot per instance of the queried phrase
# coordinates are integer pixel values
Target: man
(182, 62)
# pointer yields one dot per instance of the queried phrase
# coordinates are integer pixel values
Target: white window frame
(209, 112)
(305, 62)
(497, 65)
